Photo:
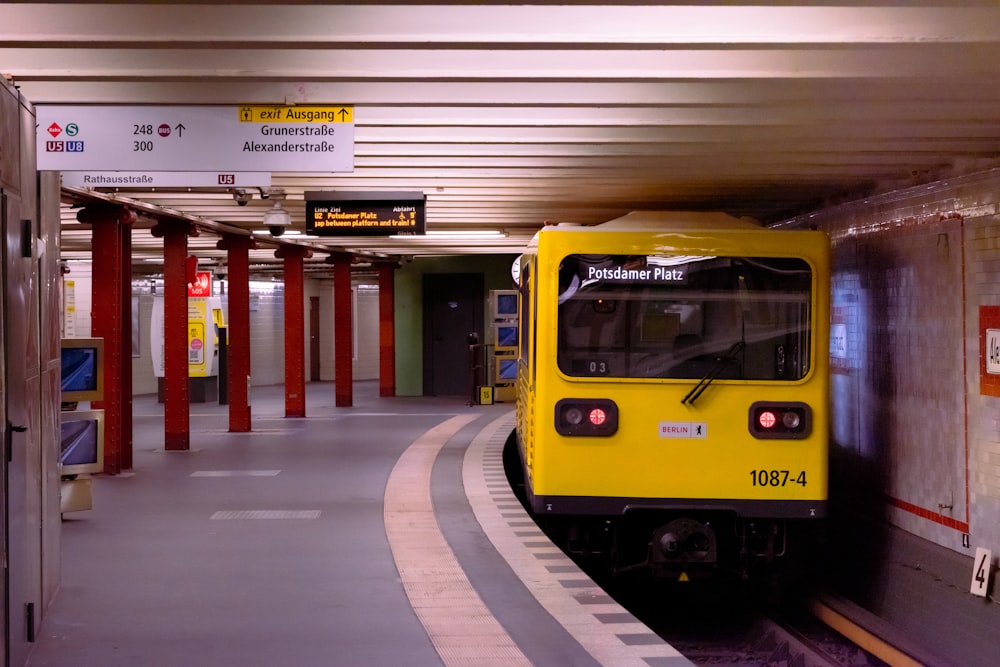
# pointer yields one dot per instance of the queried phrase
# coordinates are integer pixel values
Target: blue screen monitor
(505, 335)
(504, 304)
(81, 442)
(506, 369)
(82, 369)
(507, 304)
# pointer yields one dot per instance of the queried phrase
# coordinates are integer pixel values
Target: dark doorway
(453, 309)
(314, 339)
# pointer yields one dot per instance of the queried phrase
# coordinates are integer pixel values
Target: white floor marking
(461, 627)
(571, 598)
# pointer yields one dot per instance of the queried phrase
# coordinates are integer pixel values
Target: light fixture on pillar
(276, 218)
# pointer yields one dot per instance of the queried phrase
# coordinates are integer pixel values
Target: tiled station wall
(915, 438)
(267, 332)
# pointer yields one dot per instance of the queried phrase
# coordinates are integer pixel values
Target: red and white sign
(202, 286)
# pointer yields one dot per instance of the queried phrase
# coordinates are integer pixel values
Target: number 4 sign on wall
(981, 572)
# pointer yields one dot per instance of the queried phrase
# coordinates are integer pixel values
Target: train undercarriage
(674, 547)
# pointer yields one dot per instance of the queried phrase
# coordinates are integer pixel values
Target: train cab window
(635, 316)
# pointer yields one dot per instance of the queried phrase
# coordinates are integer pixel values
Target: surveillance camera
(277, 219)
(242, 197)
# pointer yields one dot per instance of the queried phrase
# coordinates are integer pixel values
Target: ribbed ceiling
(508, 116)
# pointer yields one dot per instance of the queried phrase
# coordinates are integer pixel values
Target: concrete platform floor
(376, 535)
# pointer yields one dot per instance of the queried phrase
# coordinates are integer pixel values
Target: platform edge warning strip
(572, 598)
(462, 629)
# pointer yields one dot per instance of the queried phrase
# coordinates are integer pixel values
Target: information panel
(364, 213)
(162, 179)
(200, 138)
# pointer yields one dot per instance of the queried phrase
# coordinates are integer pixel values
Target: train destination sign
(225, 139)
(364, 213)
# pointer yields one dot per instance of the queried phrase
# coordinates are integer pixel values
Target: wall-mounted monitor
(503, 303)
(506, 370)
(82, 369)
(81, 445)
(505, 336)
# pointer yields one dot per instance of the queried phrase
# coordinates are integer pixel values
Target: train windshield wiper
(713, 372)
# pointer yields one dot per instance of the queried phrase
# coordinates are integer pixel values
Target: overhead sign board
(364, 213)
(195, 138)
(166, 179)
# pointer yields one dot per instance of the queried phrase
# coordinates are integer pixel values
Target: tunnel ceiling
(505, 117)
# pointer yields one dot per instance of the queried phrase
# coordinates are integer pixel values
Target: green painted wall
(410, 307)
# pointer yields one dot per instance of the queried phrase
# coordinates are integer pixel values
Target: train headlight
(586, 417)
(573, 416)
(780, 420)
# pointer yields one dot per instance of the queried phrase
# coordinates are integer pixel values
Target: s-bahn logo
(55, 129)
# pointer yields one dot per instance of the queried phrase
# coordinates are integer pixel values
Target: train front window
(639, 316)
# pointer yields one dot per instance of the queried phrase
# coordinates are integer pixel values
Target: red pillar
(387, 328)
(343, 345)
(295, 340)
(125, 237)
(176, 408)
(111, 298)
(238, 260)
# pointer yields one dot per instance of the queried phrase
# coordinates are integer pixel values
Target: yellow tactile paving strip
(460, 626)
(609, 633)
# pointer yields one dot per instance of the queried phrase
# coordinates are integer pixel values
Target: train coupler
(683, 541)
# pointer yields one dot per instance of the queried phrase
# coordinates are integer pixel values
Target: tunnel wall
(915, 435)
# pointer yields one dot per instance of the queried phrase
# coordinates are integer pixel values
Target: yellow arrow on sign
(280, 113)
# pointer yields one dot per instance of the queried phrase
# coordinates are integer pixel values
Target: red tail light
(780, 420)
(586, 417)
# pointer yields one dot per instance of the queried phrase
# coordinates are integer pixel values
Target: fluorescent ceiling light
(457, 234)
(483, 233)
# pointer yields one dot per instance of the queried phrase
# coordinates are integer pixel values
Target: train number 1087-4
(777, 477)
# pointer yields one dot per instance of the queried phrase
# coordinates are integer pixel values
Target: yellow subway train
(672, 390)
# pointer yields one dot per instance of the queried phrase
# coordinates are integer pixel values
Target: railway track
(713, 628)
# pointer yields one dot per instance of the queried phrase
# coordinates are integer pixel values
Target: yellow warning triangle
(683, 577)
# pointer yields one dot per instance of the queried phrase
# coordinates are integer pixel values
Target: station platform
(382, 534)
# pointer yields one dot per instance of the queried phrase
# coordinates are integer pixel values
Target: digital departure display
(364, 213)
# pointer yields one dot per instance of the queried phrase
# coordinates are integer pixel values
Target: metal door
(453, 309)
(21, 502)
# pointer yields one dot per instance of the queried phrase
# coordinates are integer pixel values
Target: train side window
(526, 312)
